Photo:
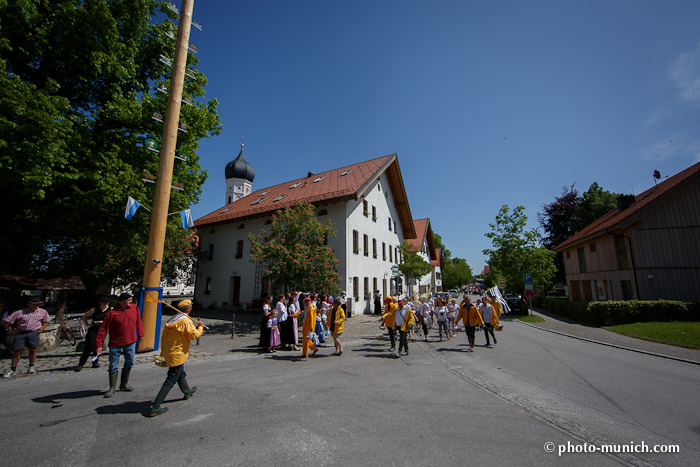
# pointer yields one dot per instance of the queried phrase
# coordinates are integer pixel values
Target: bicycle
(66, 334)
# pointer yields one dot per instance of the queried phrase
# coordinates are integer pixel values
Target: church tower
(239, 178)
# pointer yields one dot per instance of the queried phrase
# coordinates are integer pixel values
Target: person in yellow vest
(471, 318)
(388, 320)
(336, 324)
(497, 310)
(308, 327)
(403, 321)
(178, 332)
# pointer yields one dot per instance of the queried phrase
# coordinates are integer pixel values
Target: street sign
(501, 282)
(529, 283)
(529, 293)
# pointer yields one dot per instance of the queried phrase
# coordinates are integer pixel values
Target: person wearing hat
(123, 323)
(28, 323)
(388, 320)
(98, 315)
(403, 321)
(308, 327)
(178, 332)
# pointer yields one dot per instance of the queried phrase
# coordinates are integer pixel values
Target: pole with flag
(161, 200)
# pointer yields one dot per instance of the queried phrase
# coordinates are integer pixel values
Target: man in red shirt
(29, 322)
(123, 323)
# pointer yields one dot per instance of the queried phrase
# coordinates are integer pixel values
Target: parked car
(516, 303)
(443, 295)
(454, 293)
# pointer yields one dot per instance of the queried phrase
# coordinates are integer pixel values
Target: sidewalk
(564, 325)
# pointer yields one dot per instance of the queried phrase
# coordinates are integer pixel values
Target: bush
(623, 312)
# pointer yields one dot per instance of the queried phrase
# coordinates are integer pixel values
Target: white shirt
(400, 316)
(441, 313)
(281, 312)
(486, 310)
(424, 310)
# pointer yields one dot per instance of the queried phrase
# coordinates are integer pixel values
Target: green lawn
(531, 319)
(683, 334)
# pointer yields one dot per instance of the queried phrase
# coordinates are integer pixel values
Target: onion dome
(240, 168)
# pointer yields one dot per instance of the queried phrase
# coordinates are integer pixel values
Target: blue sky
(485, 103)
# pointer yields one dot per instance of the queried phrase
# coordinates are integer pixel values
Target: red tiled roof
(436, 261)
(421, 226)
(322, 187)
(616, 218)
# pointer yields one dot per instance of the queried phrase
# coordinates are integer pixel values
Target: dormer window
(294, 186)
(279, 198)
(259, 201)
(264, 193)
(227, 209)
(319, 179)
(345, 173)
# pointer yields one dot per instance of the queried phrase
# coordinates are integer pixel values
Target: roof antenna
(657, 175)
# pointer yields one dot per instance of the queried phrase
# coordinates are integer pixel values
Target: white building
(367, 203)
(424, 246)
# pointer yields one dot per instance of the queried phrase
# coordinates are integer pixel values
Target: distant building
(424, 246)
(648, 248)
(367, 202)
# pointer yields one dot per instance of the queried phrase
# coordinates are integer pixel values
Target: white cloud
(685, 72)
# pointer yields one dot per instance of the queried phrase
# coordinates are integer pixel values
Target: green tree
(594, 203)
(78, 83)
(412, 265)
(437, 240)
(515, 251)
(456, 274)
(295, 253)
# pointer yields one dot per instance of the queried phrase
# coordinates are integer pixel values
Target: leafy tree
(437, 239)
(77, 92)
(456, 273)
(295, 253)
(556, 217)
(595, 203)
(515, 251)
(412, 265)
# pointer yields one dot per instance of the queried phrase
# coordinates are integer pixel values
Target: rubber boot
(112, 384)
(96, 363)
(124, 386)
(185, 388)
(471, 345)
(78, 368)
(156, 409)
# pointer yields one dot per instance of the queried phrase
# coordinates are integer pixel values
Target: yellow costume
(178, 332)
(308, 326)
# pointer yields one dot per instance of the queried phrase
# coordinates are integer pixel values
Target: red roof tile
(616, 218)
(322, 187)
(421, 226)
(438, 258)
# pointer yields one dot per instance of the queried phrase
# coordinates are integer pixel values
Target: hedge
(622, 312)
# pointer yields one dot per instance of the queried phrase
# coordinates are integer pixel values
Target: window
(356, 287)
(396, 255)
(366, 242)
(568, 255)
(367, 292)
(268, 222)
(230, 199)
(242, 226)
(390, 260)
(374, 248)
(239, 249)
(355, 242)
(390, 224)
(319, 179)
(207, 288)
(225, 210)
(383, 251)
(592, 247)
(374, 285)
(295, 185)
(345, 173)
(279, 198)
(259, 200)
(627, 290)
(210, 254)
(323, 212)
(264, 193)
(374, 214)
(365, 212)
(623, 261)
(581, 260)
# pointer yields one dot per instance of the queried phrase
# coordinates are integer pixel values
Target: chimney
(311, 174)
(624, 201)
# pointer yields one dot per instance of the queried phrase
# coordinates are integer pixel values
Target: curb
(654, 354)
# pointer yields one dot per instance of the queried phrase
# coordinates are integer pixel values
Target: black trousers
(392, 337)
(175, 374)
(90, 338)
(488, 328)
(403, 340)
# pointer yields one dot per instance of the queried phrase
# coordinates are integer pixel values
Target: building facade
(648, 248)
(366, 202)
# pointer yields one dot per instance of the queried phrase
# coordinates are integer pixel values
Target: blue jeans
(115, 352)
(175, 374)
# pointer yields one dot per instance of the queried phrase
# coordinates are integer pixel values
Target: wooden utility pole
(161, 199)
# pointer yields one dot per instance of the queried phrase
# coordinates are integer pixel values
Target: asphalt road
(437, 406)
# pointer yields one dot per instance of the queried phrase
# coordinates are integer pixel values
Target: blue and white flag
(186, 216)
(131, 207)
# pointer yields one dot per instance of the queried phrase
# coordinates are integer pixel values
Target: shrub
(623, 312)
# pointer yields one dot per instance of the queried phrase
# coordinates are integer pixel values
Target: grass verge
(680, 333)
(531, 319)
